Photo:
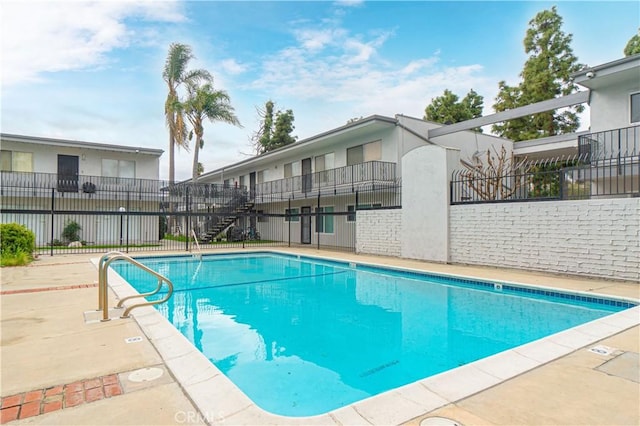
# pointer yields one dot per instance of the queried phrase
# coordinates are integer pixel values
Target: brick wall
(591, 237)
(378, 232)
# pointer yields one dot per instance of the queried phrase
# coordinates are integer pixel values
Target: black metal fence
(95, 214)
(580, 177)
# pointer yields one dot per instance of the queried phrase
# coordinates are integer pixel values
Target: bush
(71, 231)
(17, 244)
(162, 227)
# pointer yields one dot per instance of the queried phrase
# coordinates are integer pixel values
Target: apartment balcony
(369, 175)
(610, 145)
(81, 186)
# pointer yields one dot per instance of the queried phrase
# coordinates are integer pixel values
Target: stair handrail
(103, 302)
(238, 198)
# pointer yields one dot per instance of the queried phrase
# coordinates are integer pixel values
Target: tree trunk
(196, 151)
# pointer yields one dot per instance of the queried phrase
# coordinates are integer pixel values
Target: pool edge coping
(207, 386)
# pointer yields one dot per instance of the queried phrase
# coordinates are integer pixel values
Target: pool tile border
(221, 402)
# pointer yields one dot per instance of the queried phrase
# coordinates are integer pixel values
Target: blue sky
(92, 71)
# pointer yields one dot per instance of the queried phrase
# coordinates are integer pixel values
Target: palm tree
(175, 73)
(204, 102)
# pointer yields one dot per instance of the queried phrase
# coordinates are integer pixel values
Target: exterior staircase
(227, 220)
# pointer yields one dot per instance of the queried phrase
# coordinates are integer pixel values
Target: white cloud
(40, 37)
(349, 71)
(231, 66)
(348, 3)
(315, 40)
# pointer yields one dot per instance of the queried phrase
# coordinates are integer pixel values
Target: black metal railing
(351, 178)
(78, 183)
(610, 144)
(145, 215)
(579, 177)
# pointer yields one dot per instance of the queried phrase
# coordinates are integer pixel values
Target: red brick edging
(37, 290)
(33, 403)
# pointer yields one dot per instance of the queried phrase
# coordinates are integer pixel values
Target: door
(68, 173)
(305, 228)
(252, 185)
(306, 175)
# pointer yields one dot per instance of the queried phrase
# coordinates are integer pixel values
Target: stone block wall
(378, 232)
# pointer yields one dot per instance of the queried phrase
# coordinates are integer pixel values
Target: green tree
(205, 103)
(546, 75)
(447, 109)
(633, 45)
(262, 138)
(175, 74)
(273, 133)
(283, 128)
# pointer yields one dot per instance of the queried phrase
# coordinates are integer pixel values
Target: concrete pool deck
(54, 360)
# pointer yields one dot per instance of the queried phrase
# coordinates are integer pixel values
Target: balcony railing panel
(338, 179)
(610, 144)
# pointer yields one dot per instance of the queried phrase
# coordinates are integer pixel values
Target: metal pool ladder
(195, 238)
(103, 301)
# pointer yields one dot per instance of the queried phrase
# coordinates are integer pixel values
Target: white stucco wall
(425, 195)
(378, 232)
(45, 158)
(468, 142)
(610, 106)
(588, 237)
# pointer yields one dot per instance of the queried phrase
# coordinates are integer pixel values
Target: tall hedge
(15, 239)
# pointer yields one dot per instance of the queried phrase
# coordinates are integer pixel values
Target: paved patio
(58, 368)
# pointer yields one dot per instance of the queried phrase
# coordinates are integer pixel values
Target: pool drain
(146, 374)
(439, 421)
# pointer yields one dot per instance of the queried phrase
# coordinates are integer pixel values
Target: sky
(92, 71)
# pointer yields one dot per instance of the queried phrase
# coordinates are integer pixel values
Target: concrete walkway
(49, 351)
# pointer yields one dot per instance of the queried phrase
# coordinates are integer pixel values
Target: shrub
(15, 238)
(71, 231)
(17, 244)
(162, 227)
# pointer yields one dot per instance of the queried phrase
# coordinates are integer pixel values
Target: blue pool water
(302, 336)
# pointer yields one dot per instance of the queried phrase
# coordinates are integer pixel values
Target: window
(15, 161)
(371, 151)
(262, 217)
(118, 168)
(292, 169)
(351, 217)
(324, 222)
(325, 162)
(635, 107)
(292, 215)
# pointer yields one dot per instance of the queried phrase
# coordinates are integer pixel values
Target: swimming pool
(302, 336)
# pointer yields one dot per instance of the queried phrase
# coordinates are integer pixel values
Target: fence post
(318, 216)
(186, 219)
(53, 203)
(128, 218)
(289, 218)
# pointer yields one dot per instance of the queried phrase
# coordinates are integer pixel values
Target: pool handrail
(103, 302)
(195, 238)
